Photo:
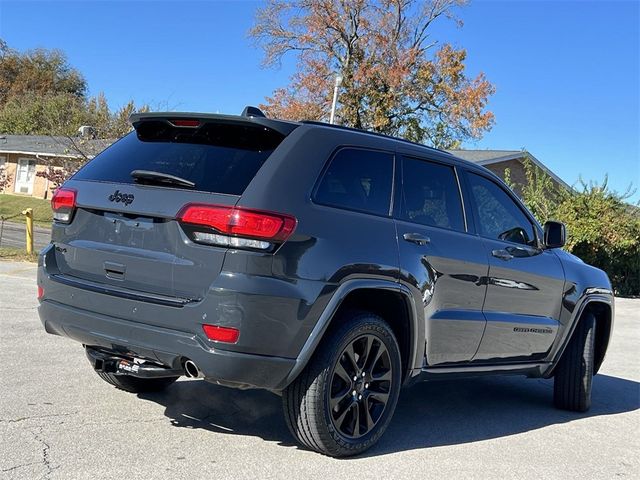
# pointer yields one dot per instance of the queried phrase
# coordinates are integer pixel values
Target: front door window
(499, 217)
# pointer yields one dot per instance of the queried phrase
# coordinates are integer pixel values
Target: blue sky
(566, 72)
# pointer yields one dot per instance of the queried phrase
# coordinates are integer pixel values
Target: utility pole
(335, 98)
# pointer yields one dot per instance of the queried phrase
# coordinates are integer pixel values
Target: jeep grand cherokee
(330, 265)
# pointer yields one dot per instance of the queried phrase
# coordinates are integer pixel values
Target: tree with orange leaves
(397, 80)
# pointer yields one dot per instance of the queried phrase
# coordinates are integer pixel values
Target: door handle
(416, 238)
(502, 254)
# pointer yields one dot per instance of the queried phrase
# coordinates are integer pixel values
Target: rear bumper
(165, 346)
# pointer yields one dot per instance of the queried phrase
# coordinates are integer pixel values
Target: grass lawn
(17, 255)
(14, 204)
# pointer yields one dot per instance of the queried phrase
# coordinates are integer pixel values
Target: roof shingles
(46, 144)
(477, 156)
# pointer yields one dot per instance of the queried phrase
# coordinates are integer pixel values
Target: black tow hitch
(111, 362)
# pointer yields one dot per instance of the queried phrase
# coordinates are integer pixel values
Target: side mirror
(555, 234)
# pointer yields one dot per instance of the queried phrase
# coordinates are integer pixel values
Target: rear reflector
(40, 292)
(232, 222)
(221, 334)
(63, 204)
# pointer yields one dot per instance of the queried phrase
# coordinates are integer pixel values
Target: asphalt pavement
(58, 420)
(14, 235)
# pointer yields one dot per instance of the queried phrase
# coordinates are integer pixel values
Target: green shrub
(604, 231)
(602, 228)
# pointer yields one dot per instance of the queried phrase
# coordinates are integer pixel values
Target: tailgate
(139, 246)
(122, 230)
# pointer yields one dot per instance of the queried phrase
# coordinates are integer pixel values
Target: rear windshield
(216, 157)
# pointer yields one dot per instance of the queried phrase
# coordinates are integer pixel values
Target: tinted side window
(358, 180)
(500, 217)
(430, 195)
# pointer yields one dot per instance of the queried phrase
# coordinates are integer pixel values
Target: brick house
(23, 156)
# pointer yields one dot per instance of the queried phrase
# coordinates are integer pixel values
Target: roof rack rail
(377, 134)
(250, 111)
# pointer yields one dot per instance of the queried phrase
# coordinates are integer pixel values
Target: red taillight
(221, 334)
(184, 122)
(40, 292)
(63, 204)
(239, 222)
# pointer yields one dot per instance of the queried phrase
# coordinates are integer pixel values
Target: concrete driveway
(59, 420)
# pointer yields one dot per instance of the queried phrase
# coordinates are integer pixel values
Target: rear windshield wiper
(159, 177)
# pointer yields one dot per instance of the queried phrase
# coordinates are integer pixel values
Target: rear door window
(217, 157)
(430, 195)
(358, 179)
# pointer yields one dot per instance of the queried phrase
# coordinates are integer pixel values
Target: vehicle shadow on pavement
(429, 414)
(452, 412)
(199, 404)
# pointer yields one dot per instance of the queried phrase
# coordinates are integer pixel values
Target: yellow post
(29, 214)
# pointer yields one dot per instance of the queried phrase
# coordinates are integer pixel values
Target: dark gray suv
(330, 265)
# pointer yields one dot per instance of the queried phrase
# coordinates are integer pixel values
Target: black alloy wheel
(343, 401)
(360, 385)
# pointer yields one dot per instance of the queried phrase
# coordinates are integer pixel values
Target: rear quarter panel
(330, 245)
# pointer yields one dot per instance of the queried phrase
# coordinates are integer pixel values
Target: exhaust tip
(191, 369)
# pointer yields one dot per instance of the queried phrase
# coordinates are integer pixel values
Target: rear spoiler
(280, 126)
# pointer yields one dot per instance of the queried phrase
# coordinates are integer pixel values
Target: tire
(574, 373)
(135, 384)
(356, 422)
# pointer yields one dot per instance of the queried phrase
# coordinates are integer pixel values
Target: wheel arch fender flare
(598, 297)
(332, 308)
